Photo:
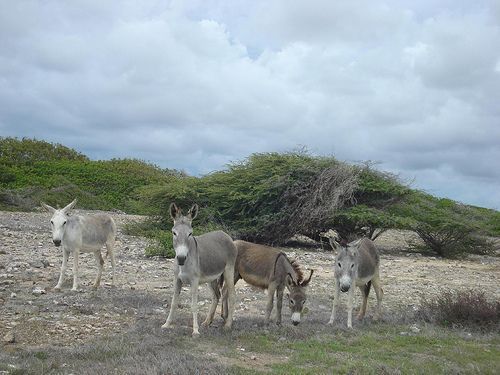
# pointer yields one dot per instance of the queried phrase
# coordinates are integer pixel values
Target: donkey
(356, 264)
(85, 234)
(201, 259)
(268, 268)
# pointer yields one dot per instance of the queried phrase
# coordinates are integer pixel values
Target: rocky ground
(33, 314)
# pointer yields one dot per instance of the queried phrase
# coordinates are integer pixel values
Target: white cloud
(194, 85)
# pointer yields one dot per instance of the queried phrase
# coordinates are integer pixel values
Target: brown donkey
(268, 268)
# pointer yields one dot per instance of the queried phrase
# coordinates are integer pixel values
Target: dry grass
(468, 308)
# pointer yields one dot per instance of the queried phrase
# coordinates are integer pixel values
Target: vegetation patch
(470, 309)
(266, 198)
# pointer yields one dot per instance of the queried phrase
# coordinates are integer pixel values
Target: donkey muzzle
(181, 259)
(295, 318)
(344, 288)
(57, 243)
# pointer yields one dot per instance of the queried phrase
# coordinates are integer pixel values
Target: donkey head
(182, 231)
(346, 263)
(297, 296)
(58, 221)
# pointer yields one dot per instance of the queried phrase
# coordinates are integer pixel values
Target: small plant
(468, 308)
(161, 245)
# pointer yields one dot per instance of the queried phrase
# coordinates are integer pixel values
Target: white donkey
(86, 234)
(356, 264)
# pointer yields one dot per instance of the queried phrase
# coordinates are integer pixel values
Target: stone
(9, 337)
(38, 291)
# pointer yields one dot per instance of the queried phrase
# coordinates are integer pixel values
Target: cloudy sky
(193, 85)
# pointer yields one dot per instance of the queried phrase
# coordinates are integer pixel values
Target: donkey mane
(300, 274)
(295, 266)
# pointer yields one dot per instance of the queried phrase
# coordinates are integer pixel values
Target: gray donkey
(86, 234)
(201, 259)
(269, 268)
(356, 264)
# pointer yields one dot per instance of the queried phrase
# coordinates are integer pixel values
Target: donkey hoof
(57, 288)
(330, 322)
(206, 324)
(195, 334)
(166, 326)
(227, 327)
(360, 317)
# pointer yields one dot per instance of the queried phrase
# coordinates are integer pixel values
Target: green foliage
(261, 198)
(26, 151)
(267, 197)
(35, 170)
(161, 245)
(444, 226)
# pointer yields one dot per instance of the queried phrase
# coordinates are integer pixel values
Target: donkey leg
(100, 266)
(110, 250)
(64, 266)
(173, 305)
(270, 300)
(194, 306)
(350, 300)
(214, 287)
(279, 303)
(76, 254)
(365, 291)
(224, 295)
(229, 285)
(336, 300)
(380, 293)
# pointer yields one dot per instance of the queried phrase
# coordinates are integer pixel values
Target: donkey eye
(52, 222)
(292, 302)
(174, 233)
(352, 265)
(340, 265)
(190, 234)
(64, 223)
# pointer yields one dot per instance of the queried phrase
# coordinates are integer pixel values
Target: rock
(415, 329)
(9, 338)
(38, 291)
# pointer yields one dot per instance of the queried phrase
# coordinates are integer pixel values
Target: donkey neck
(283, 261)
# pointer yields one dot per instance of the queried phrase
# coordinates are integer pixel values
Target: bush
(444, 226)
(451, 240)
(161, 245)
(267, 197)
(461, 309)
(32, 170)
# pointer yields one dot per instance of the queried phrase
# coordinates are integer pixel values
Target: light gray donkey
(86, 234)
(201, 259)
(356, 264)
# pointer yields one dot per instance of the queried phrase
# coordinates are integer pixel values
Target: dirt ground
(35, 315)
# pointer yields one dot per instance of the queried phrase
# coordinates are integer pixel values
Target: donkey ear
(193, 211)
(69, 206)
(306, 282)
(174, 211)
(47, 207)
